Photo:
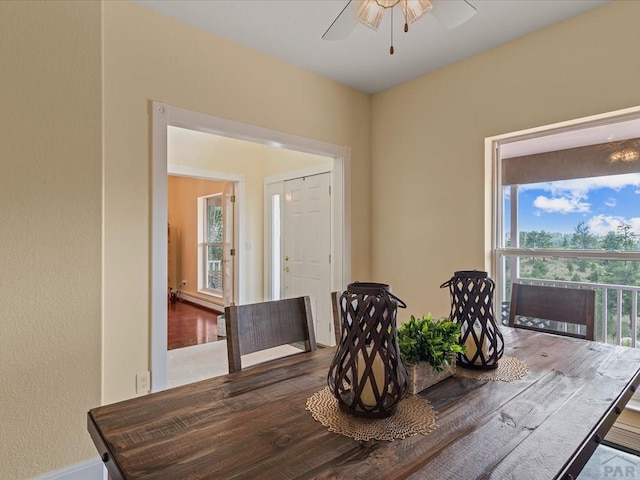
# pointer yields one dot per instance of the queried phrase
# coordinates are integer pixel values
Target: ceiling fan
(451, 13)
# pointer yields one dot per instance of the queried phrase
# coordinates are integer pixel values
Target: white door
(306, 240)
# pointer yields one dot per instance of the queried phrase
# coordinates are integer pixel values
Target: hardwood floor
(189, 324)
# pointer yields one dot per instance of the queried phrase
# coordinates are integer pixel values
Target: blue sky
(603, 203)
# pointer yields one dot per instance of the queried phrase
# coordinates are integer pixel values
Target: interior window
(212, 244)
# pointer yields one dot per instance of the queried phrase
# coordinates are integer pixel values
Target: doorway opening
(165, 116)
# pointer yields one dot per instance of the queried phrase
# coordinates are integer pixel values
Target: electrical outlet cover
(143, 382)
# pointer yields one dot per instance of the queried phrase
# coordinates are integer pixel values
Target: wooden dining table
(254, 424)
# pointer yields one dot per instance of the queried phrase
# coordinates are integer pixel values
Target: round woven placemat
(414, 415)
(509, 369)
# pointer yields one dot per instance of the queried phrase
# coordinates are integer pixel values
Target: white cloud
(561, 204)
(570, 196)
(580, 187)
(603, 224)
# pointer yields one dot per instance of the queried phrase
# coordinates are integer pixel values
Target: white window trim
(202, 247)
(493, 183)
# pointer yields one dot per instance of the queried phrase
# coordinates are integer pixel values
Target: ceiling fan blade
(452, 13)
(344, 23)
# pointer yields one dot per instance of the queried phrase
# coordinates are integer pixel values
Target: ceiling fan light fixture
(371, 12)
(625, 155)
(415, 9)
(449, 13)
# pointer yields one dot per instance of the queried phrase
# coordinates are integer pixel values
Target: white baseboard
(634, 403)
(92, 469)
(626, 430)
(199, 301)
(625, 437)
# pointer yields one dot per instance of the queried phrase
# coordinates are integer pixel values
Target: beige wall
(150, 57)
(50, 211)
(428, 210)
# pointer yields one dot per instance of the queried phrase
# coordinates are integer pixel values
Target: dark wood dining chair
(259, 326)
(558, 310)
(335, 308)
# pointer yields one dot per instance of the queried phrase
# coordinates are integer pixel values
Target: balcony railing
(616, 309)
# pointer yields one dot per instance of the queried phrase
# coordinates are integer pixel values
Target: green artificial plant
(428, 340)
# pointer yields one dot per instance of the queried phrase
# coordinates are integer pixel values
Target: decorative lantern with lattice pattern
(367, 375)
(472, 307)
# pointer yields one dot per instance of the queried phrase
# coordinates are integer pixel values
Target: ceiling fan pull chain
(391, 48)
(405, 10)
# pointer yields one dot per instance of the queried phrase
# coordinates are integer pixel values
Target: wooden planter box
(422, 376)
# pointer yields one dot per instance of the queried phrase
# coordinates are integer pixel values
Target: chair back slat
(557, 304)
(259, 326)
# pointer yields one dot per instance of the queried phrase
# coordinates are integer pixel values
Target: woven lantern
(472, 307)
(367, 375)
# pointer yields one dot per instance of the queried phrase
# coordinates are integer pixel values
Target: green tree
(545, 240)
(582, 237)
(539, 269)
(612, 241)
(535, 239)
(214, 223)
(529, 239)
(628, 239)
(522, 239)
(582, 264)
(622, 239)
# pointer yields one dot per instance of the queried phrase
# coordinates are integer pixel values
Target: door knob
(286, 269)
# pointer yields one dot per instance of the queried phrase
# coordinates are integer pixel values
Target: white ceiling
(292, 30)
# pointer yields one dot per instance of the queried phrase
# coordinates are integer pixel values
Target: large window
(212, 245)
(572, 217)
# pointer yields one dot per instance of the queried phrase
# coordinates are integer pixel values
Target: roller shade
(604, 159)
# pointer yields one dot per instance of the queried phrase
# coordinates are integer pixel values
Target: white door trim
(163, 115)
(303, 172)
